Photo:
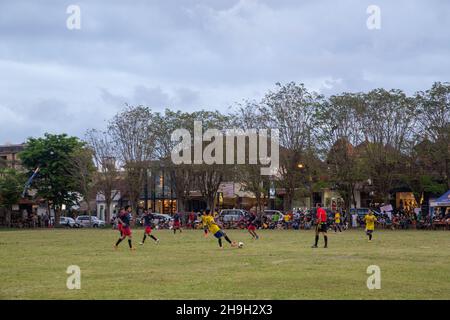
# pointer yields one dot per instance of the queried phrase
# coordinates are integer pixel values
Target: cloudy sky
(197, 54)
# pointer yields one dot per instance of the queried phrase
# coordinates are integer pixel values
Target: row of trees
(380, 140)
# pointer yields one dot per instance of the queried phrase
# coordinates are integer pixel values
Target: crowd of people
(25, 219)
(300, 219)
(304, 219)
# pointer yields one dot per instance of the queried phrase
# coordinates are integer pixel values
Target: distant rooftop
(11, 148)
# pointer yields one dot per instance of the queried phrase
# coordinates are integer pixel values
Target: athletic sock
(317, 240)
(228, 239)
(370, 237)
(145, 237)
(153, 237)
(118, 241)
(220, 242)
(129, 243)
(326, 240)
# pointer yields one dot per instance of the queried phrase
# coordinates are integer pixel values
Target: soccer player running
(119, 223)
(214, 229)
(321, 226)
(147, 219)
(124, 219)
(251, 225)
(176, 223)
(370, 220)
(205, 226)
(337, 222)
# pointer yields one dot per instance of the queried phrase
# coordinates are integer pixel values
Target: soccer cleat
(132, 249)
(141, 243)
(157, 241)
(115, 247)
(325, 247)
(313, 246)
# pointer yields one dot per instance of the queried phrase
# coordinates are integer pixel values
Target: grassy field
(281, 265)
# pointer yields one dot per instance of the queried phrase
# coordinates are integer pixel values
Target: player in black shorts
(321, 227)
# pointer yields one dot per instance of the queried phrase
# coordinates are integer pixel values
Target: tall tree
(434, 105)
(209, 176)
(132, 132)
(107, 175)
(55, 183)
(248, 117)
(11, 186)
(82, 170)
(292, 109)
(181, 174)
(387, 120)
(339, 133)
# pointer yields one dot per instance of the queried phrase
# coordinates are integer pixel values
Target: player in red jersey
(251, 225)
(321, 227)
(147, 219)
(176, 223)
(119, 222)
(124, 219)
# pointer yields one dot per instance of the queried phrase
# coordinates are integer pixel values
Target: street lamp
(300, 165)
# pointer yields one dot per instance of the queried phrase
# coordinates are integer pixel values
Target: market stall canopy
(444, 200)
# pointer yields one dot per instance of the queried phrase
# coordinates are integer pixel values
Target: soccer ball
(240, 245)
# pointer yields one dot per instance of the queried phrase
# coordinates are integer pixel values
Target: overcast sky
(197, 54)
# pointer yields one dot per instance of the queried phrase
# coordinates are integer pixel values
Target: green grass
(281, 265)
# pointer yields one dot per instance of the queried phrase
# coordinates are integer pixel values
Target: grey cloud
(154, 97)
(201, 53)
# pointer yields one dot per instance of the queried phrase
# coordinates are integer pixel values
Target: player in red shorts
(321, 226)
(251, 225)
(119, 223)
(124, 219)
(176, 223)
(147, 218)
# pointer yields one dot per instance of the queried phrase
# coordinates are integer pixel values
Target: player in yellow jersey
(205, 227)
(370, 220)
(337, 222)
(214, 229)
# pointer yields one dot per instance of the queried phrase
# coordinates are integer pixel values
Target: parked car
(268, 214)
(92, 221)
(68, 222)
(232, 215)
(162, 220)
